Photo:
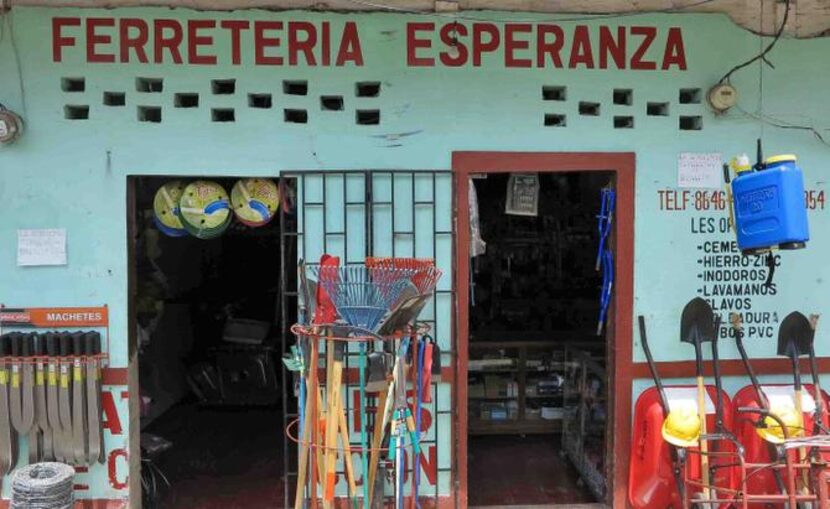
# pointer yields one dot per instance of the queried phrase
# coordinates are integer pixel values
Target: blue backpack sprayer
(768, 206)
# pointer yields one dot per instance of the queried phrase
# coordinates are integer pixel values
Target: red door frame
(622, 307)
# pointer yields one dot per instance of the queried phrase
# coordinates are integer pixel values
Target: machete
(41, 417)
(22, 393)
(8, 438)
(65, 397)
(52, 407)
(79, 432)
(92, 341)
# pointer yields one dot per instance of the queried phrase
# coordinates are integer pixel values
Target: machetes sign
(324, 44)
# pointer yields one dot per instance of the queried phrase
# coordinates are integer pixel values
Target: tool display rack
(578, 428)
(322, 335)
(38, 320)
(64, 364)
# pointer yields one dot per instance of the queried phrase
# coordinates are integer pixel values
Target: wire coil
(43, 486)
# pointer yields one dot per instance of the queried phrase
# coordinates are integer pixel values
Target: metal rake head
(424, 276)
(363, 295)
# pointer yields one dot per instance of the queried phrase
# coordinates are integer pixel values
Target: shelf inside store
(513, 426)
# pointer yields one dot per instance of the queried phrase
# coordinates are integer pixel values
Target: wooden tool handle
(802, 451)
(704, 447)
(347, 448)
(377, 440)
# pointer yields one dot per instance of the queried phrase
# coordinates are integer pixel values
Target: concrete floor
(232, 459)
(522, 471)
(228, 459)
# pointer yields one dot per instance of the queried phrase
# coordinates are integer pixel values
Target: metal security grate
(355, 214)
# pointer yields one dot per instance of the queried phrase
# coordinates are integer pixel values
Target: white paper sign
(700, 170)
(41, 247)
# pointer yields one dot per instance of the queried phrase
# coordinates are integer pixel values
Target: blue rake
(363, 296)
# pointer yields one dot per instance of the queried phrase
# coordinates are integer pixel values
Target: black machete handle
(78, 343)
(51, 344)
(65, 344)
(26, 344)
(15, 342)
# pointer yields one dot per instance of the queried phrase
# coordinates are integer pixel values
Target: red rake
(425, 275)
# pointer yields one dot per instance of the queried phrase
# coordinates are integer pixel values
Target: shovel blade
(697, 323)
(795, 335)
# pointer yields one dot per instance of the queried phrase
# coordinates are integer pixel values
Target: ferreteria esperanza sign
(324, 43)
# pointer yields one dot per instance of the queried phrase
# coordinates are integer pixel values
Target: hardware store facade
(379, 121)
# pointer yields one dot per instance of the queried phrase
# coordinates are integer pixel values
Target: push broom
(362, 296)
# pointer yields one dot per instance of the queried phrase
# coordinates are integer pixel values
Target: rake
(363, 296)
(424, 274)
(413, 299)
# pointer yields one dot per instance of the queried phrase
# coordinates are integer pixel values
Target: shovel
(795, 338)
(697, 324)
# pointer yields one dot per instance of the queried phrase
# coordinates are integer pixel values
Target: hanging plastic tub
(651, 482)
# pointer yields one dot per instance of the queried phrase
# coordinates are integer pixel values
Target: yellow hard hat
(771, 430)
(682, 427)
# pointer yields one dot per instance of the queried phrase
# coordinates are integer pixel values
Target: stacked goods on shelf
(517, 386)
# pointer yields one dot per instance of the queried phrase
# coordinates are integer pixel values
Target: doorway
(541, 387)
(207, 314)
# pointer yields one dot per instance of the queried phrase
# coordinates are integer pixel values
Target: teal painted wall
(72, 174)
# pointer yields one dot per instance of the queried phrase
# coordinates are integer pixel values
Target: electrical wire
(781, 124)
(465, 17)
(4, 19)
(762, 55)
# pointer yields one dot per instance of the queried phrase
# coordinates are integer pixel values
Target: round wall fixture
(722, 97)
(11, 125)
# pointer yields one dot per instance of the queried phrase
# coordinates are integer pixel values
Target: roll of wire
(43, 486)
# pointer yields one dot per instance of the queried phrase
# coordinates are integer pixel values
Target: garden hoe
(697, 325)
